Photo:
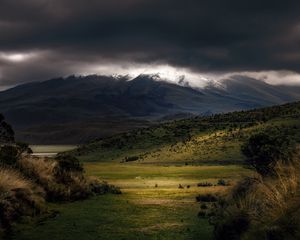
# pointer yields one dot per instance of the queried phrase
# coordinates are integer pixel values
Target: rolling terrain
(213, 140)
(160, 170)
(76, 110)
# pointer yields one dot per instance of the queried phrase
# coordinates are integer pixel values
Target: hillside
(214, 139)
(78, 109)
(161, 170)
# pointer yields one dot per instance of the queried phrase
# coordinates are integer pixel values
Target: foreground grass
(166, 156)
(151, 206)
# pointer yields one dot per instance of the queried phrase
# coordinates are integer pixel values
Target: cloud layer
(41, 39)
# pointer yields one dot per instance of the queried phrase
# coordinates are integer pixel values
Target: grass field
(151, 206)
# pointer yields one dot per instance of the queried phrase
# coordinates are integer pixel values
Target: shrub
(18, 197)
(60, 182)
(9, 155)
(206, 198)
(203, 206)
(24, 188)
(262, 208)
(202, 214)
(131, 159)
(23, 147)
(103, 187)
(222, 182)
(6, 132)
(265, 149)
(68, 163)
(204, 184)
(233, 227)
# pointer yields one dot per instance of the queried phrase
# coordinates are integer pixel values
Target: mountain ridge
(73, 104)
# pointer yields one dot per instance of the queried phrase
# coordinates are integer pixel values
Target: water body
(50, 150)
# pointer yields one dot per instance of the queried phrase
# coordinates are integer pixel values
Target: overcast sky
(42, 39)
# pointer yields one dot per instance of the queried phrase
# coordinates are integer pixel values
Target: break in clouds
(201, 40)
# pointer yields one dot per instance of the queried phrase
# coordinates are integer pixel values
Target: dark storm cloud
(204, 36)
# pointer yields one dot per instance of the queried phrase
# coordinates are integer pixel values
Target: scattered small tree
(263, 150)
(8, 152)
(23, 148)
(6, 132)
(9, 155)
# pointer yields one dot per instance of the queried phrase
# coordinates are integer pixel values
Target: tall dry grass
(62, 185)
(25, 188)
(18, 197)
(11, 179)
(262, 208)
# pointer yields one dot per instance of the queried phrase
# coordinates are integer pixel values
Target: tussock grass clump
(25, 188)
(26, 182)
(262, 207)
(63, 178)
(267, 205)
(18, 197)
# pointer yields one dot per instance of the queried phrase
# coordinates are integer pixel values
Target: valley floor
(152, 206)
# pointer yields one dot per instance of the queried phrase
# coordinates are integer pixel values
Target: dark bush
(207, 198)
(203, 206)
(204, 184)
(9, 155)
(131, 159)
(23, 147)
(6, 132)
(104, 187)
(233, 227)
(202, 214)
(265, 149)
(68, 163)
(222, 182)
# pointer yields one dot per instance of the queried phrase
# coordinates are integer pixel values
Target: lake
(50, 150)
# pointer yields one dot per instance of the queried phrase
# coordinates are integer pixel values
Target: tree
(10, 151)
(23, 148)
(6, 132)
(9, 155)
(263, 150)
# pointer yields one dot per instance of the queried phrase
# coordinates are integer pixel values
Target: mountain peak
(71, 102)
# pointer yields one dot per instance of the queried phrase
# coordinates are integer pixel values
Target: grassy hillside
(215, 139)
(159, 186)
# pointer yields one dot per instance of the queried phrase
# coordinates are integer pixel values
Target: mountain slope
(76, 109)
(214, 139)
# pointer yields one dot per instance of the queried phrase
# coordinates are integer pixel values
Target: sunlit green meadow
(152, 206)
